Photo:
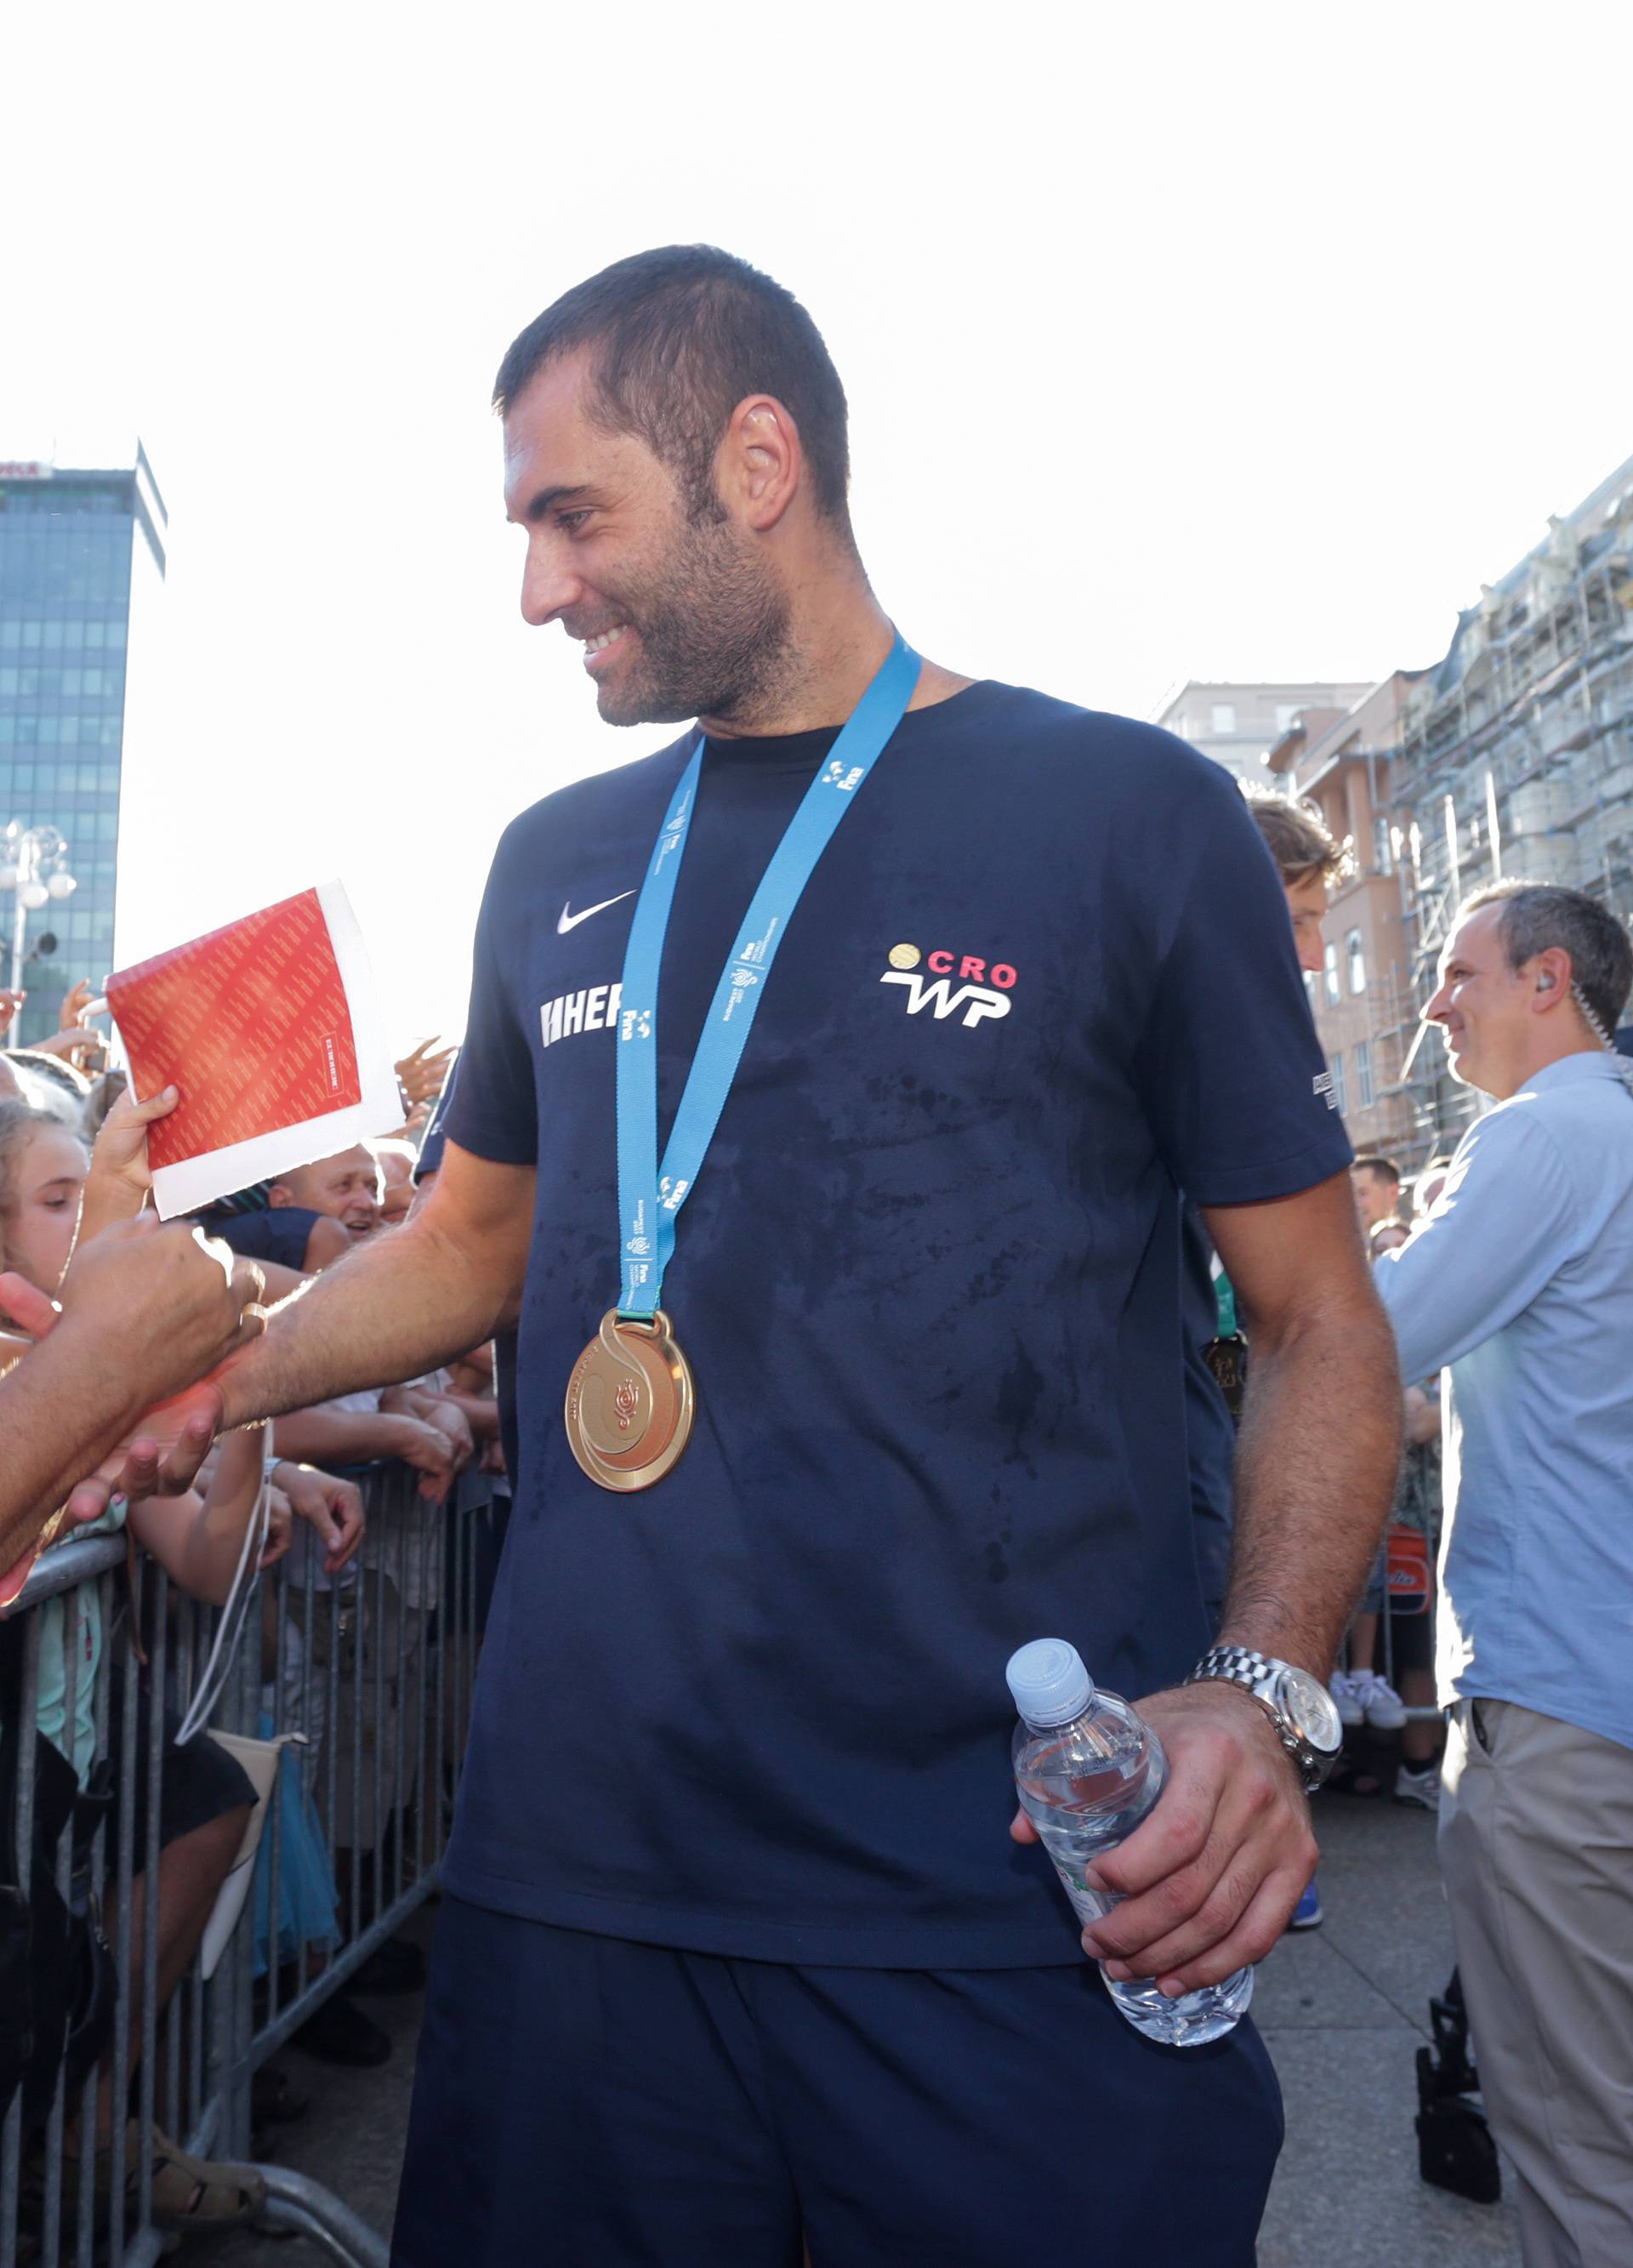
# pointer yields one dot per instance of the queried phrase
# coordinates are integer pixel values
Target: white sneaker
(1343, 1690)
(1380, 1703)
(1419, 1785)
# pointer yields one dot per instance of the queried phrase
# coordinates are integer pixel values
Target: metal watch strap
(1239, 1665)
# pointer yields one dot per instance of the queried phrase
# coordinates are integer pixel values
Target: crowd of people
(1065, 1307)
(89, 1283)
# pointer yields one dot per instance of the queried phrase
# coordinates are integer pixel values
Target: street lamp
(33, 864)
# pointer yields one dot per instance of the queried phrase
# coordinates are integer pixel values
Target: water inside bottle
(1086, 1788)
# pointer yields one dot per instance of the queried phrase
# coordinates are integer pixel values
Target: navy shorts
(586, 2103)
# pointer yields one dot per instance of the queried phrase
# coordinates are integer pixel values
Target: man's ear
(1550, 978)
(761, 462)
(280, 1195)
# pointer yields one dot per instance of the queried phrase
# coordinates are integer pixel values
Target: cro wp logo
(949, 982)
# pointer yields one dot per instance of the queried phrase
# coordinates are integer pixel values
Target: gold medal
(630, 1403)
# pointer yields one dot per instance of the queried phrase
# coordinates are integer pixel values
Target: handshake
(120, 1392)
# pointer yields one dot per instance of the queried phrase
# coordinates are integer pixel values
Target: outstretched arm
(401, 1304)
(323, 1436)
(197, 1540)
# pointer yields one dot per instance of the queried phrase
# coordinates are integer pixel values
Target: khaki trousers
(1536, 1846)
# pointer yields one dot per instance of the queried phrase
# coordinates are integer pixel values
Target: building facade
(1516, 755)
(1510, 758)
(1365, 1003)
(1237, 724)
(80, 553)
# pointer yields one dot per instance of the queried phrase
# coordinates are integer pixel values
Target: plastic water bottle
(1087, 1770)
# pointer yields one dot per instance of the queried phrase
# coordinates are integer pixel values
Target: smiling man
(346, 1188)
(829, 1078)
(1520, 1285)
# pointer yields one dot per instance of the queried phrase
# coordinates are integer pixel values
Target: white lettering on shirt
(978, 1001)
(594, 1009)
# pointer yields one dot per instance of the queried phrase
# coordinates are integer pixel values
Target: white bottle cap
(1049, 1683)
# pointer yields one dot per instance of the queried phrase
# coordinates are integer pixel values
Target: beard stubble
(714, 631)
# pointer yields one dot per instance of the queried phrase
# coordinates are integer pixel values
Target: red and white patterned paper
(267, 1028)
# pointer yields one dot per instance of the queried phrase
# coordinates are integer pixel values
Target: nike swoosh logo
(571, 920)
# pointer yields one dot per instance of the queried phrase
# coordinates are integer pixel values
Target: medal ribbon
(651, 1194)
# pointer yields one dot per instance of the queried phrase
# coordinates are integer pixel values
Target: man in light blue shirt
(1520, 1286)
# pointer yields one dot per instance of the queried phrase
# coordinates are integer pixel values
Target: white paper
(198, 1181)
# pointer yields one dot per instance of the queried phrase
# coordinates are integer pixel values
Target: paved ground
(1344, 2008)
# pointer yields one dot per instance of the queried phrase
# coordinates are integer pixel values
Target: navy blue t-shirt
(928, 1281)
(277, 1232)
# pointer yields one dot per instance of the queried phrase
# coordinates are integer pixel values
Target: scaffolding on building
(1516, 759)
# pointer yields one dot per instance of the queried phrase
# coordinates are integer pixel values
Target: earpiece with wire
(1624, 1066)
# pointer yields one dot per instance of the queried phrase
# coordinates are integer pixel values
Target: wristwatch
(1302, 1712)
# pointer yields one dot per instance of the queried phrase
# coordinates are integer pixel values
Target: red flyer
(267, 1029)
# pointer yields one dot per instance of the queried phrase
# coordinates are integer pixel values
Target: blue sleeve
(1232, 1076)
(436, 1134)
(1504, 1224)
(279, 1232)
(493, 1109)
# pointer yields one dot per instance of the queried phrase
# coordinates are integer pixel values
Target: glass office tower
(81, 552)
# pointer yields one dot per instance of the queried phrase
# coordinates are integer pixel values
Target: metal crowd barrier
(1410, 1595)
(368, 1680)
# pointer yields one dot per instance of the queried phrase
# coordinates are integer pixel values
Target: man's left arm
(1211, 1878)
(1237, 1094)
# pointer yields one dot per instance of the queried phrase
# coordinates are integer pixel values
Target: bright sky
(1228, 342)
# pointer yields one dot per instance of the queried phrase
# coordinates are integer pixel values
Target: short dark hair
(1299, 841)
(681, 336)
(1537, 915)
(1385, 1168)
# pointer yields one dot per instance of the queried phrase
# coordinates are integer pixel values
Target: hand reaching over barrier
(280, 1528)
(438, 1410)
(430, 1451)
(145, 1313)
(333, 1508)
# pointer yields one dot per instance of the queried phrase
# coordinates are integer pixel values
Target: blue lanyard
(649, 1194)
